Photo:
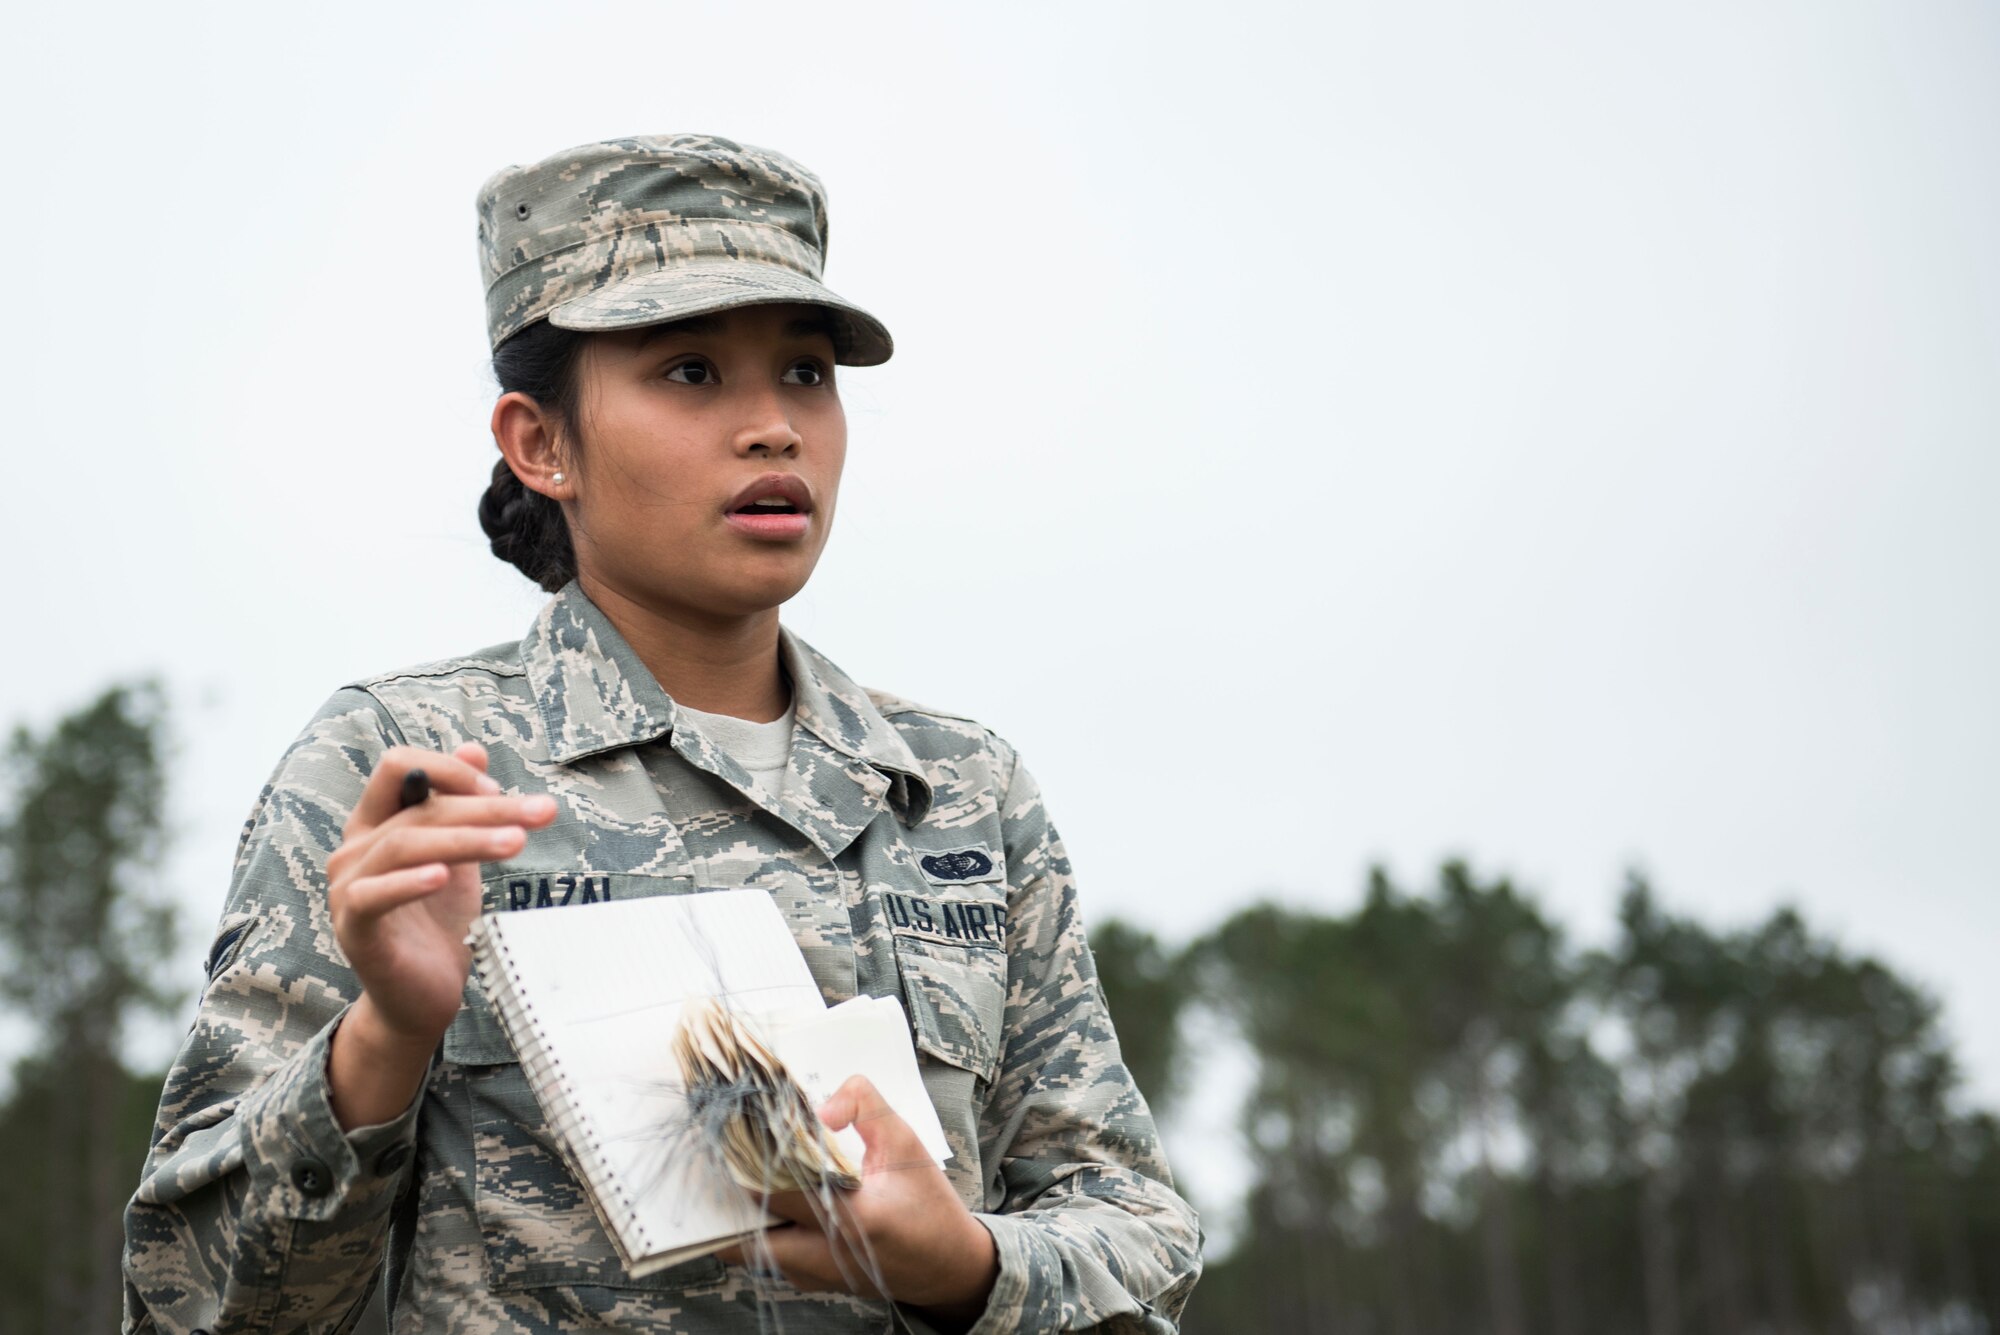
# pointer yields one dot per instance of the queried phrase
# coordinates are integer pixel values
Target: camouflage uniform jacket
(911, 854)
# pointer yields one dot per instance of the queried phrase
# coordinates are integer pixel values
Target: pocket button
(311, 1177)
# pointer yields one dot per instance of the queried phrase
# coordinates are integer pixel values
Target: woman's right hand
(402, 889)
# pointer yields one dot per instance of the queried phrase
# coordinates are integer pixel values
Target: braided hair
(526, 528)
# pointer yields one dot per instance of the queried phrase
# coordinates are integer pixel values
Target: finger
(887, 1140)
(807, 1209)
(802, 1256)
(382, 798)
(473, 754)
(857, 1097)
(533, 812)
(372, 896)
(787, 1205)
(403, 846)
(359, 854)
(754, 1251)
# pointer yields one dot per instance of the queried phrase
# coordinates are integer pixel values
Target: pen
(416, 787)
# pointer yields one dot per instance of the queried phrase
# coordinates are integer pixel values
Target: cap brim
(688, 290)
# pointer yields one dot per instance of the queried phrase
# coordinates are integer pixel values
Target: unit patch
(224, 950)
(960, 866)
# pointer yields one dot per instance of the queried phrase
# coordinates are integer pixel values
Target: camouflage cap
(641, 231)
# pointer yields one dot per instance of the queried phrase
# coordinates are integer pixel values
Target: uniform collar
(595, 695)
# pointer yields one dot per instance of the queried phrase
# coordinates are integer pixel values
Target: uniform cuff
(301, 1163)
(1027, 1293)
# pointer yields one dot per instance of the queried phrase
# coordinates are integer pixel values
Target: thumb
(885, 1136)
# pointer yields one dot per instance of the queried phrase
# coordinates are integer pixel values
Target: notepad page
(607, 983)
(867, 1036)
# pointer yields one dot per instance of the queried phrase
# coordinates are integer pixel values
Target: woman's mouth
(769, 521)
(776, 508)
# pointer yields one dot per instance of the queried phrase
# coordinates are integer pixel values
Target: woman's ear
(531, 441)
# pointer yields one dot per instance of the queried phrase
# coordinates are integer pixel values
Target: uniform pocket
(957, 999)
(535, 1219)
(538, 1225)
(475, 1037)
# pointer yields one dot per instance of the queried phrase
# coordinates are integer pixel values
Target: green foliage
(82, 932)
(1147, 980)
(81, 926)
(1458, 1123)
(26, 1250)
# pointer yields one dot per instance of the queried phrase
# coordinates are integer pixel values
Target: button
(311, 1177)
(389, 1160)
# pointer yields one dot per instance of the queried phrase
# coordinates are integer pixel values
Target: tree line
(84, 927)
(1458, 1123)
(1461, 1123)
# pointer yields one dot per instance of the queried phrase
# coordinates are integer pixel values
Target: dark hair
(526, 528)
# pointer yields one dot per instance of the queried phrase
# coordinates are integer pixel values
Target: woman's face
(710, 460)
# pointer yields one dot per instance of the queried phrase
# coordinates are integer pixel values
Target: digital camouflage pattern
(911, 854)
(639, 231)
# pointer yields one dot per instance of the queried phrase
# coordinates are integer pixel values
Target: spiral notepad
(591, 996)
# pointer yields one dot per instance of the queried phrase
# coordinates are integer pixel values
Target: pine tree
(82, 931)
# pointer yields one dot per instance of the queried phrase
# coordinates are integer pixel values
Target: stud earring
(556, 478)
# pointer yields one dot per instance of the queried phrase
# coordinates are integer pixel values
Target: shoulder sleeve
(1090, 1232)
(255, 1210)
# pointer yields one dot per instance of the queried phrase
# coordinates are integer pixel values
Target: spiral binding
(517, 1016)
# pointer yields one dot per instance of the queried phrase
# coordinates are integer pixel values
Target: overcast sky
(1561, 435)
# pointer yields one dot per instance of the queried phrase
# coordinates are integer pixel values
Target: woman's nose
(768, 430)
(779, 445)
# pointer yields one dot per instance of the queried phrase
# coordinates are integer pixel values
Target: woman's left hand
(927, 1249)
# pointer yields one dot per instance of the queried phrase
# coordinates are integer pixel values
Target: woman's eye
(693, 373)
(805, 373)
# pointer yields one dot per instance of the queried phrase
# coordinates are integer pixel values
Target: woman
(346, 1106)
